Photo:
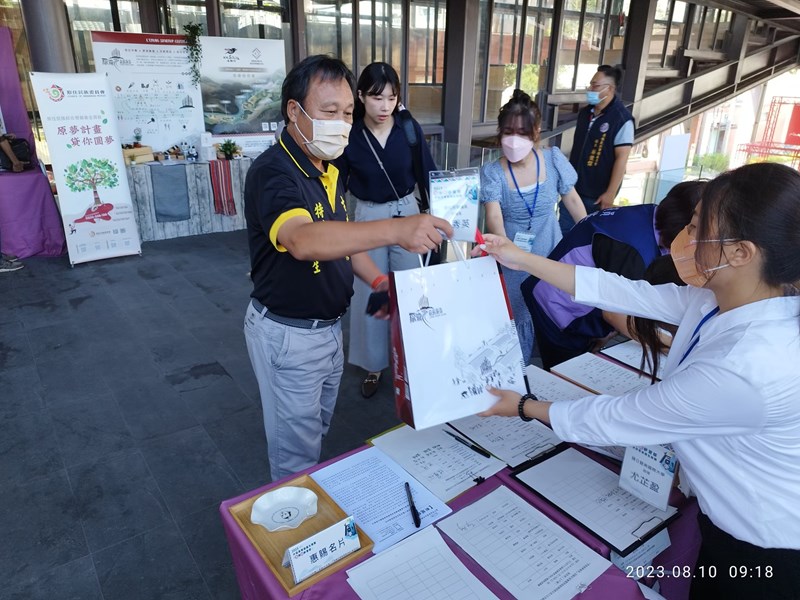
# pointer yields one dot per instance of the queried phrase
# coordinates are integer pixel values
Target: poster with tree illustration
(89, 174)
(86, 152)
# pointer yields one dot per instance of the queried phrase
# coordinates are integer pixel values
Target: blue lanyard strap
(532, 208)
(696, 334)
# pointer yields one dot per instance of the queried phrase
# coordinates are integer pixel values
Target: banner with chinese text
(151, 85)
(82, 135)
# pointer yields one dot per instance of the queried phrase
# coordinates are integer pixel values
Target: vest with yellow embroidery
(281, 184)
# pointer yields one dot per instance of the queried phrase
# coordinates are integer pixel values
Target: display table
(30, 224)
(256, 581)
(201, 217)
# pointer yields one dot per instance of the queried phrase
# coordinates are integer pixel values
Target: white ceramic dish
(284, 508)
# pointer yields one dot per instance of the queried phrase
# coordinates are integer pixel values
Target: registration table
(257, 582)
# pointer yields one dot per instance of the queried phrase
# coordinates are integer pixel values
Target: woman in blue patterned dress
(520, 193)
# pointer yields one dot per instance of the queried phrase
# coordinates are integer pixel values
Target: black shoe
(370, 385)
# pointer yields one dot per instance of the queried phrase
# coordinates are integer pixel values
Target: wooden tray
(272, 545)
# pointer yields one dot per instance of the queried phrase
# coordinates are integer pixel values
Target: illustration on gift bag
(452, 336)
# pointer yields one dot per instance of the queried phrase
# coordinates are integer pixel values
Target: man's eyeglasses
(597, 86)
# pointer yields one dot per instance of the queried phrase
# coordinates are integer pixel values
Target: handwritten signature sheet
(601, 375)
(421, 566)
(522, 549)
(590, 494)
(439, 462)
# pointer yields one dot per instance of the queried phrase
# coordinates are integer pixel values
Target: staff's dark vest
(594, 158)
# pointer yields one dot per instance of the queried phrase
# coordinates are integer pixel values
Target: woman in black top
(378, 172)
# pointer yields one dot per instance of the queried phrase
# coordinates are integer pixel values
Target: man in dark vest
(622, 240)
(602, 143)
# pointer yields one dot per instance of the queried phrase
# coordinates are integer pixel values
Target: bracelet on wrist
(378, 281)
(521, 406)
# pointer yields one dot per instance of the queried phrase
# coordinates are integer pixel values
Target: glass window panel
(565, 60)
(675, 33)
(481, 62)
(183, 12)
(329, 29)
(615, 34)
(251, 19)
(723, 27)
(380, 33)
(84, 17)
(535, 50)
(591, 47)
(129, 20)
(427, 21)
(503, 55)
(663, 49)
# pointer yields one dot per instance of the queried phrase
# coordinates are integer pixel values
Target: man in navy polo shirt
(303, 255)
(601, 146)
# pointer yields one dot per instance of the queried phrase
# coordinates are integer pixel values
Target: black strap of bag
(407, 123)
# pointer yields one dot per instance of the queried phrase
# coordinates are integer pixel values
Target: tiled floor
(128, 411)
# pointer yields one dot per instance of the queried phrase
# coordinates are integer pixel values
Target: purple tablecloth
(30, 224)
(256, 581)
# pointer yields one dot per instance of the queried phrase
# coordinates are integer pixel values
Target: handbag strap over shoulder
(407, 123)
(375, 154)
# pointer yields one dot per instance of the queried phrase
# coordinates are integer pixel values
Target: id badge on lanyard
(524, 241)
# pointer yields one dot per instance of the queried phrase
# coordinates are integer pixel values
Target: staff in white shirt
(730, 398)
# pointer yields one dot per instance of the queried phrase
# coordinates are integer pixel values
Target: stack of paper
(371, 486)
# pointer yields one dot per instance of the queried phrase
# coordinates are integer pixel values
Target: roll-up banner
(83, 137)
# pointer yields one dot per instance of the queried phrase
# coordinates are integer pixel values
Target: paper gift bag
(452, 336)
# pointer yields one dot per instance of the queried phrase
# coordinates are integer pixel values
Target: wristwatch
(521, 406)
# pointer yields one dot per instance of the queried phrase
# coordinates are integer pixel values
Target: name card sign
(647, 473)
(322, 549)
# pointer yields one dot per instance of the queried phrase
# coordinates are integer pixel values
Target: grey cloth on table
(170, 193)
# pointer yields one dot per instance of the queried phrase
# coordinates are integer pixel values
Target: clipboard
(598, 500)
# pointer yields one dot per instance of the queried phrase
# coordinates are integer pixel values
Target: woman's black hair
(520, 105)
(298, 80)
(645, 331)
(373, 80)
(759, 203)
(676, 209)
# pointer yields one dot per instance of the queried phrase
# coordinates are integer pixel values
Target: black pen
(413, 507)
(469, 445)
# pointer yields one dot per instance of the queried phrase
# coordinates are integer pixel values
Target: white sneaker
(7, 266)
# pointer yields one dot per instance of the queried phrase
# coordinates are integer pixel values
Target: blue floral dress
(543, 224)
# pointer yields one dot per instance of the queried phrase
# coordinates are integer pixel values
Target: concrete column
(48, 34)
(636, 50)
(461, 41)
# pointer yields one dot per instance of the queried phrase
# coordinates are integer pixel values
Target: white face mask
(516, 147)
(329, 138)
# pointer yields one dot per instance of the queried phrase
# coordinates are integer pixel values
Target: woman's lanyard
(531, 208)
(696, 334)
